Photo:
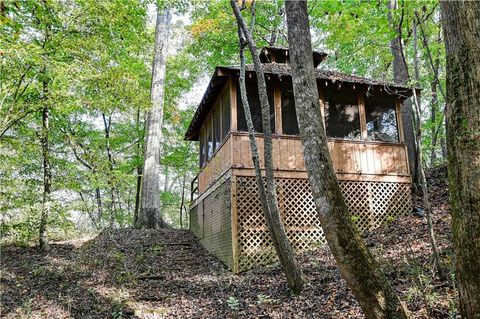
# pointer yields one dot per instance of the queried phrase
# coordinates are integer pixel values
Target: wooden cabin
(363, 122)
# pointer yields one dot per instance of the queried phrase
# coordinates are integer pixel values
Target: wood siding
(218, 164)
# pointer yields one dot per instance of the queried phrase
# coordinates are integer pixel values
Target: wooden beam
(233, 104)
(363, 117)
(322, 105)
(340, 176)
(277, 99)
(398, 110)
(234, 224)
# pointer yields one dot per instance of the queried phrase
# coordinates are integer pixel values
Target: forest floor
(167, 274)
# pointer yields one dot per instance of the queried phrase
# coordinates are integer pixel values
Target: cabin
(363, 122)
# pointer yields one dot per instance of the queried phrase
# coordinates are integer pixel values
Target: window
(289, 115)
(342, 119)
(381, 119)
(255, 108)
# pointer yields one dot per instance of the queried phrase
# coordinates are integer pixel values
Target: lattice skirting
(210, 221)
(370, 203)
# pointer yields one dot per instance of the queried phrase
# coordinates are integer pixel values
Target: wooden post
(363, 117)
(233, 104)
(322, 105)
(234, 223)
(277, 99)
(398, 111)
(401, 136)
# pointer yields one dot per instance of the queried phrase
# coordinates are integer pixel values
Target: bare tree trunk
(139, 175)
(420, 168)
(149, 215)
(424, 186)
(166, 181)
(47, 172)
(435, 84)
(433, 119)
(268, 195)
(93, 169)
(401, 76)
(113, 209)
(369, 285)
(182, 202)
(461, 25)
(47, 175)
(92, 217)
(443, 144)
(98, 198)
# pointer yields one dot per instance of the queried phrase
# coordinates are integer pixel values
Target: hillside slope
(166, 274)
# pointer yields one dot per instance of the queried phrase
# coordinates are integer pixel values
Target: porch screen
(289, 115)
(381, 118)
(203, 148)
(217, 129)
(255, 108)
(209, 128)
(342, 119)
(226, 113)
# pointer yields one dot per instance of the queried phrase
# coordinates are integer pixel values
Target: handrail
(193, 189)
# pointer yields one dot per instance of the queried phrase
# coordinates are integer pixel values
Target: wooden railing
(194, 187)
(351, 159)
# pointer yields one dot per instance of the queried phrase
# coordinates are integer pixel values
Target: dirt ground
(167, 274)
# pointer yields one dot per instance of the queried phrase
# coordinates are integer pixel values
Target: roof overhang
(221, 75)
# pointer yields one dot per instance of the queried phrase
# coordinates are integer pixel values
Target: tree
(268, 194)
(401, 76)
(461, 25)
(419, 149)
(149, 215)
(44, 19)
(369, 285)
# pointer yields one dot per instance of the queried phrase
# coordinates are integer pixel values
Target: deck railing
(352, 160)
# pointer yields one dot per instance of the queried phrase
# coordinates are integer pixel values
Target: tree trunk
(98, 198)
(436, 128)
(111, 162)
(401, 76)
(443, 144)
(433, 120)
(92, 217)
(47, 176)
(424, 186)
(370, 287)
(182, 202)
(137, 195)
(139, 175)
(268, 195)
(420, 168)
(149, 215)
(461, 25)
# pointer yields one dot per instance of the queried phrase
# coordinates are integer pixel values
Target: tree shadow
(51, 284)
